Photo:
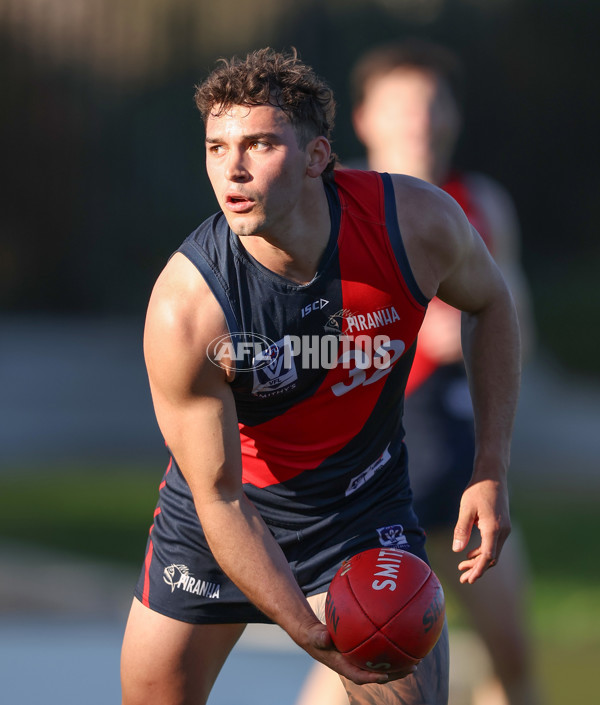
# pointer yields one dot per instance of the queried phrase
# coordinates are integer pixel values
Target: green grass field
(106, 512)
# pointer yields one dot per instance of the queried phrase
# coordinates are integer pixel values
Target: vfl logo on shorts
(177, 576)
(392, 536)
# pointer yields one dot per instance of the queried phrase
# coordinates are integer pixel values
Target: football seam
(412, 597)
(371, 622)
(397, 613)
(393, 616)
(404, 606)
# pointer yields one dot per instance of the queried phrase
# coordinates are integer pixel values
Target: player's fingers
(473, 574)
(322, 648)
(462, 531)
(320, 638)
(355, 674)
(397, 675)
(489, 548)
(476, 564)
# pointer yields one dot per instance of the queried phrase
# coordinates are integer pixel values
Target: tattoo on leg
(428, 686)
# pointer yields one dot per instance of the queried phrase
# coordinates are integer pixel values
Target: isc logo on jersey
(279, 374)
(315, 306)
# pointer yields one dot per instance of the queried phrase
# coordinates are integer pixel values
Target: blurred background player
(407, 113)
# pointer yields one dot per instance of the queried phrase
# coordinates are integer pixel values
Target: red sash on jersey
(376, 302)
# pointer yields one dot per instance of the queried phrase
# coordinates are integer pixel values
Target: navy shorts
(181, 579)
(438, 419)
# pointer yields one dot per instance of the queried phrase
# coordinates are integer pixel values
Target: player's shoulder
(182, 308)
(421, 199)
(435, 230)
(179, 287)
(427, 212)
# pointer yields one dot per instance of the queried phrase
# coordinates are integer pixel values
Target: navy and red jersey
(320, 403)
(320, 371)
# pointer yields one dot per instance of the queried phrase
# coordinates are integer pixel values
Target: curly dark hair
(267, 77)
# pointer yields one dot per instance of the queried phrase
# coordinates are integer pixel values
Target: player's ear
(318, 152)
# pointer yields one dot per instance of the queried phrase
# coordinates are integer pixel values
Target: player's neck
(295, 250)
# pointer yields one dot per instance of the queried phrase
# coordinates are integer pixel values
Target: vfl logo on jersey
(267, 356)
(366, 475)
(277, 374)
(392, 536)
(177, 576)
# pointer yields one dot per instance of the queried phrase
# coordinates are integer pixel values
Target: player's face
(256, 168)
(409, 116)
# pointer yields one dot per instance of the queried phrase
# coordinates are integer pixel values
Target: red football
(385, 609)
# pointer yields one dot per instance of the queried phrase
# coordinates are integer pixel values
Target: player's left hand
(484, 504)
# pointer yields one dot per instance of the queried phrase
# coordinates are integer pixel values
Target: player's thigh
(322, 686)
(503, 628)
(428, 686)
(168, 662)
(495, 604)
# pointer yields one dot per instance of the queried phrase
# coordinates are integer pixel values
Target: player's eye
(258, 146)
(215, 149)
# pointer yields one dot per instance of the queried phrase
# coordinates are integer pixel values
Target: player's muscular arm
(450, 259)
(491, 349)
(502, 220)
(196, 413)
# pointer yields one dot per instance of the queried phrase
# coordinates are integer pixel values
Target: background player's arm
(196, 413)
(449, 259)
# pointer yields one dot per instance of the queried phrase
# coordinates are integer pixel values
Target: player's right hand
(320, 646)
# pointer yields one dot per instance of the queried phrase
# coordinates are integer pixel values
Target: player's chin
(246, 224)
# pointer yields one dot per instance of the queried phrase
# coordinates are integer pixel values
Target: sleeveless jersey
(319, 398)
(424, 366)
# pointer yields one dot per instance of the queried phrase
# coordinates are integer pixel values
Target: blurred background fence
(103, 148)
(102, 152)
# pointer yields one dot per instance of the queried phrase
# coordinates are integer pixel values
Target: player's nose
(235, 169)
